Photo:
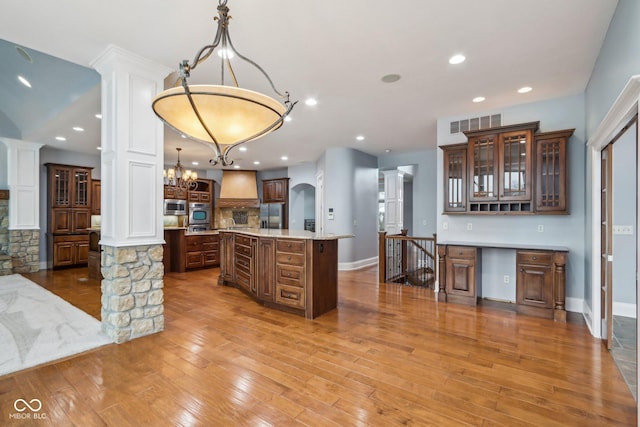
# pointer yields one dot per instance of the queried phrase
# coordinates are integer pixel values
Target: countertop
(292, 234)
(506, 246)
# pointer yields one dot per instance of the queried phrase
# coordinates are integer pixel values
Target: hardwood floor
(389, 355)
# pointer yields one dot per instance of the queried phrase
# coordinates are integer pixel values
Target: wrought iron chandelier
(221, 116)
(179, 177)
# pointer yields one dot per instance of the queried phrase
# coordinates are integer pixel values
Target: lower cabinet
(202, 251)
(70, 250)
(462, 275)
(540, 278)
(266, 274)
(292, 274)
(534, 282)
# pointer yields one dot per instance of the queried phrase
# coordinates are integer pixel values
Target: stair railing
(406, 259)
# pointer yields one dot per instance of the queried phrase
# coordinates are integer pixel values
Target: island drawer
(243, 263)
(289, 245)
(290, 275)
(242, 279)
(243, 250)
(290, 259)
(243, 240)
(290, 295)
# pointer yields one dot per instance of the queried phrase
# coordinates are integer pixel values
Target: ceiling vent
(476, 123)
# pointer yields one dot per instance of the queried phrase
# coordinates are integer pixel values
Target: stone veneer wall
(223, 217)
(24, 249)
(132, 291)
(4, 226)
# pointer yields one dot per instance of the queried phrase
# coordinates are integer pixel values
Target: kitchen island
(291, 270)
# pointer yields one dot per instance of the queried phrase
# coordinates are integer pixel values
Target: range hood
(239, 189)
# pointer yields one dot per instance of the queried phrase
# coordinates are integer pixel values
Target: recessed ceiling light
(387, 151)
(242, 148)
(311, 101)
(287, 119)
(24, 81)
(457, 59)
(195, 163)
(256, 162)
(78, 129)
(284, 158)
(98, 116)
(390, 78)
(360, 138)
(525, 89)
(61, 138)
(99, 148)
(183, 136)
(24, 54)
(478, 99)
(236, 167)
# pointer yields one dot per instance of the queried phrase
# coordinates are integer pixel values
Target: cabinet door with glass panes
(483, 168)
(515, 165)
(551, 171)
(455, 177)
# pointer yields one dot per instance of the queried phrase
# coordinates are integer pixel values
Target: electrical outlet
(623, 229)
(469, 226)
(424, 222)
(540, 228)
(445, 225)
(505, 278)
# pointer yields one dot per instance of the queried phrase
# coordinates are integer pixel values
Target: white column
(132, 149)
(23, 164)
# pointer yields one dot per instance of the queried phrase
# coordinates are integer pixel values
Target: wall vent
(476, 123)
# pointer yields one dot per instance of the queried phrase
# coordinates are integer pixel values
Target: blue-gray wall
(559, 230)
(619, 59)
(351, 189)
(4, 167)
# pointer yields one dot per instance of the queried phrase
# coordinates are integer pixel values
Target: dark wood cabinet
(455, 177)
(171, 192)
(291, 274)
(69, 214)
(227, 259)
(202, 251)
(96, 194)
(462, 275)
(551, 171)
(507, 170)
(275, 190)
(540, 277)
(266, 271)
(203, 193)
(70, 250)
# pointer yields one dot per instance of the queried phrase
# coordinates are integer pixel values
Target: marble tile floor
(624, 351)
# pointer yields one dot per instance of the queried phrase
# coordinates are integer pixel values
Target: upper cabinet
(203, 193)
(96, 194)
(69, 186)
(275, 190)
(506, 170)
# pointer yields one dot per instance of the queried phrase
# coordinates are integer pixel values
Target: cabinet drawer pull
(289, 274)
(522, 270)
(288, 245)
(289, 295)
(289, 258)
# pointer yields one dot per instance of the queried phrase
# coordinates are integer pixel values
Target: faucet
(233, 223)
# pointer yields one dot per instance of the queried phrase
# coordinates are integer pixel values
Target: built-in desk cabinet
(540, 278)
(507, 170)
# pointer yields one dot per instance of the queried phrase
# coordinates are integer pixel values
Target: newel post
(382, 256)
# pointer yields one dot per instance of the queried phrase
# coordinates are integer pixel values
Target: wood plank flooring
(389, 355)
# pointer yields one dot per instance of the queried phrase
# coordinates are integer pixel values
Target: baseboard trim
(357, 265)
(575, 305)
(624, 309)
(588, 317)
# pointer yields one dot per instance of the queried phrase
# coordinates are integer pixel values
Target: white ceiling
(337, 52)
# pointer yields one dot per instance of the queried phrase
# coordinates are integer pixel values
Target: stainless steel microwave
(175, 207)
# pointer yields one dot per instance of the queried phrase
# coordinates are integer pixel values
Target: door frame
(621, 112)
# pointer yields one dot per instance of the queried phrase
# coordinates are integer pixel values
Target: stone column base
(132, 295)
(24, 249)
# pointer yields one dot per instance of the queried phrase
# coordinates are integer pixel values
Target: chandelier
(218, 115)
(179, 177)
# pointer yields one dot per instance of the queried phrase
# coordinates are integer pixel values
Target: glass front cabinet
(508, 170)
